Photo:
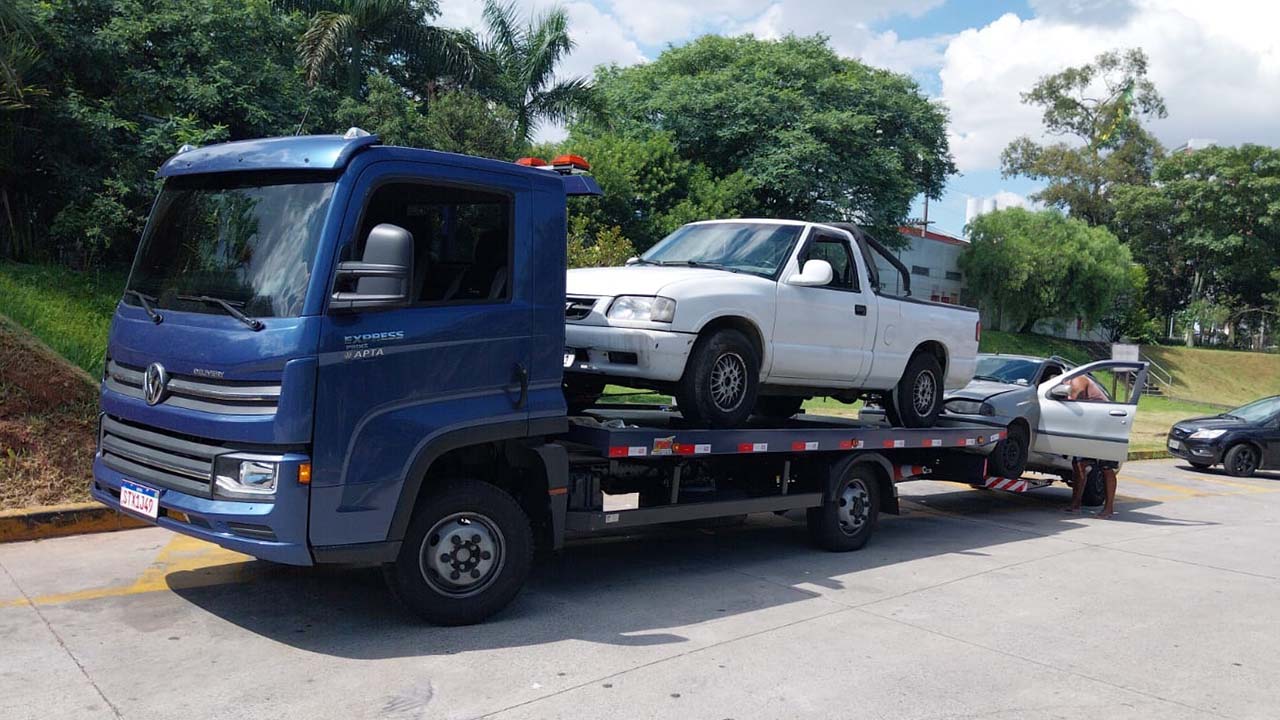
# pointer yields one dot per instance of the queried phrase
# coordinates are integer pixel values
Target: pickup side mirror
(1060, 392)
(632, 261)
(382, 277)
(815, 273)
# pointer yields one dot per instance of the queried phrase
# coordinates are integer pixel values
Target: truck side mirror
(815, 273)
(382, 277)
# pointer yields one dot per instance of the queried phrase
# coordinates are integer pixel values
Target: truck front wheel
(465, 556)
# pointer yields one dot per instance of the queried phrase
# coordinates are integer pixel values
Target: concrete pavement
(973, 603)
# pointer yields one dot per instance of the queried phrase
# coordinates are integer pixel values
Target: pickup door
(1097, 429)
(824, 333)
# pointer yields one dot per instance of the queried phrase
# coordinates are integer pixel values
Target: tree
(1099, 105)
(346, 39)
(464, 122)
(525, 60)
(1209, 226)
(1030, 266)
(815, 136)
(606, 248)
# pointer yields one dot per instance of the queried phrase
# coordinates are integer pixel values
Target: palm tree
(391, 35)
(525, 60)
(18, 58)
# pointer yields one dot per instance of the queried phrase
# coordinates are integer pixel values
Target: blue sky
(1216, 63)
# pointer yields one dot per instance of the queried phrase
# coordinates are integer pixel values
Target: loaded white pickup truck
(742, 317)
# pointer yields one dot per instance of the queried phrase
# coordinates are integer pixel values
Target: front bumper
(659, 355)
(1206, 452)
(274, 531)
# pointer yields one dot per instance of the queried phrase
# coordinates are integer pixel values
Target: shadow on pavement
(1217, 470)
(627, 590)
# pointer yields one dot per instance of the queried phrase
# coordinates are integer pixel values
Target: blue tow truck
(330, 350)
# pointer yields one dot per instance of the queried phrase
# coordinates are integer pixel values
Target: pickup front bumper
(628, 352)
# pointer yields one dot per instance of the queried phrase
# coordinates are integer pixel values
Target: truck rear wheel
(846, 521)
(917, 398)
(465, 556)
(720, 381)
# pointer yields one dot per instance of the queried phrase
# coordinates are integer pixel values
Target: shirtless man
(1085, 389)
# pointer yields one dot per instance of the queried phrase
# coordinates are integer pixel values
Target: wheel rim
(853, 506)
(1012, 453)
(1245, 462)
(728, 381)
(923, 392)
(462, 554)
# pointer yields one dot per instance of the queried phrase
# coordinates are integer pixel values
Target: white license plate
(1175, 445)
(140, 499)
(569, 357)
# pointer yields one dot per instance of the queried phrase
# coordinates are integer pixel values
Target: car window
(844, 273)
(1086, 388)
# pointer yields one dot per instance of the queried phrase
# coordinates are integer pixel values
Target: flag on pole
(1124, 107)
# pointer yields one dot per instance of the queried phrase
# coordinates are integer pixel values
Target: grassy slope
(1224, 377)
(68, 311)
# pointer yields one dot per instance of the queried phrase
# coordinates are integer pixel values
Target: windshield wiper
(700, 264)
(642, 261)
(988, 378)
(231, 310)
(145, 301)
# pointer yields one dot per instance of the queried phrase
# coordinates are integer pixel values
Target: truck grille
(577, 307)
(158, 458)
(228, 397)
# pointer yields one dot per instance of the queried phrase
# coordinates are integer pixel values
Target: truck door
(1096, 428)
(824, 333)
(456, 360)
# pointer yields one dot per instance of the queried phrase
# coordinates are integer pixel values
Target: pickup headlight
(639, 307)
(1207, 434)
(235, 476)
(970, 407)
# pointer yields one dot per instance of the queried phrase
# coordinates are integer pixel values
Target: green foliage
(524, 59)
(607, 247)
(816, 136)
(70, 311)
(1033, 265)
(464, 122)
(1099, 104)
(387, 112)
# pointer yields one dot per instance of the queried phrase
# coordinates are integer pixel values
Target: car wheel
(917, 399)
(1241, 460)
(465, 556)
(1095, 487)
(581, 393)
(846, 521)
(778, 407)
(721, 380)
(1008, 459)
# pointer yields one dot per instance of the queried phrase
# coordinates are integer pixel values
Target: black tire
(721, 380)
(1200, 466)
(494, 553)
(1095, 487)
(778, 407)
(1008, 459)
(1241, 460)
(917, 398)
(890, 411)
(581, 393)
(846, 521)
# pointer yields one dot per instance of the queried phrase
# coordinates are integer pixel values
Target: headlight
(240, 477)
(1207, 434)
(970, 407)
(637, 307)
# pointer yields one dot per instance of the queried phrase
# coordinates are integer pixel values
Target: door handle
(522, 376)
(859, 309)
(1119, 413)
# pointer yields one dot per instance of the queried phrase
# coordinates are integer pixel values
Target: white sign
(1124, 351)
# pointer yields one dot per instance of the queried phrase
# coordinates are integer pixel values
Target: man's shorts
(1091, 461)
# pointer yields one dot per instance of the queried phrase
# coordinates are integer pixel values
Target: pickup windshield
(755, 248)
(249, 240)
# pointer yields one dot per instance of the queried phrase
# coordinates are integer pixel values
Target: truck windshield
(755, 248)
(249, 240)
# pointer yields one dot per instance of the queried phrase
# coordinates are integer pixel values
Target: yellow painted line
(1167, 487)
(201, 563)
(1234, 483)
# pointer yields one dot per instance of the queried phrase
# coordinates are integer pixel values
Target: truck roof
(334, 152)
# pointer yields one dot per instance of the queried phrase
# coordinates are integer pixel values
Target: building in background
(934, 261)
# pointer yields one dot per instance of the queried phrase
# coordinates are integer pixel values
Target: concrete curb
(52, 521)
(1150, 455)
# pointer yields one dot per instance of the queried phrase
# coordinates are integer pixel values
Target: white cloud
(1217, 65)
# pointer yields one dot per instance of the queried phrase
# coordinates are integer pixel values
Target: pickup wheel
(721, 380)
(465, 556)
(917, 398)
(846, 521)
(1008, 459)
(778, 407)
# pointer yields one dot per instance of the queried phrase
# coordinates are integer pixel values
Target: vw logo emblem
(154, 382)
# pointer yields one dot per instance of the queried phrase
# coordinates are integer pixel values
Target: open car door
(1098, 429)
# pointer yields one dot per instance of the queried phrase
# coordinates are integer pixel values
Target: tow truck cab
(312, 321)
